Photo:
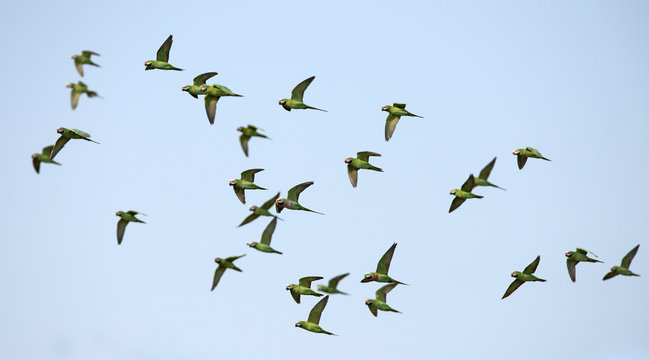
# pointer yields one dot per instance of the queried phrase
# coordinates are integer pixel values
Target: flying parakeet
(295, 102)
(396, 111)
(246, 134)
(623, 269)
(162, 58)
(380, 302)
(291, 201)
(66, 135)
(524, 276)
(481, 180)
(332, 287)
(464, 193)
(528, 152)
(37, 159)
(77, 90)
(83, 59)
(314, 318)
(303, 288)
(258, 211)
(195, 89)
(360, 162)
(246, 182)
(226, 263)
(264, 244)
(381, 273)
(574, 258)
(212, 95)
(126, 217)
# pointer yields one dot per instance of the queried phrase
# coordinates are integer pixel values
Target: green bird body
(247, 133)
(524, 276)
(380, 302)
(212, 95)
(464, 193)
(360, 162)
(297, 95)
(226, 263)
(290, 202)
(258, 211)
(195, 89)
(79, 89)
(529, 152)
(623, 269)
(312, 324)
(303, 288)
(84, 59)
(67, 135)
(245, 183)
(162, 58)
(481, 180)
(332, 286)
(574, 258)
(395, 112)
(126, 217)
(381, 273)
(43, 157)
(264, 244)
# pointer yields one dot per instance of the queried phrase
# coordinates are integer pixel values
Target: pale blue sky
(569, 78)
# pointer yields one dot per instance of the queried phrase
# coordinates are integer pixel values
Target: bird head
(118, 213)
(298, 324)
(74, 57)
(319, 287)
(515, 274)
(217, 260)
(348, 160)
(613, 268)
(185, 88)
(385, 108)
(60, 130)
(568, 253)
(280, 202)
(516, 152)
(239, 128)
(366, 278)
(452, 192)
(252, 244)
(232, 182)
(147, 63)
(202, 88)
(368, 302)
(68, 85)
(253, 208)
(289, 287)
(34, 156)
(282, 102)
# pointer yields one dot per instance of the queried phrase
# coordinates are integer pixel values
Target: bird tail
(303, 208)
(314, 108)
(177, 69)
(237, 95)
(402, 283)
(539, 279)
(89, 140)
(376, 168)
(277, 252)
(239, 270)
(396, 311)
(496, 186)
(545, 158)
(478, 196)
(328, 333)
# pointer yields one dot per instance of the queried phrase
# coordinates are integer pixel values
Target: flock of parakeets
(212, 95)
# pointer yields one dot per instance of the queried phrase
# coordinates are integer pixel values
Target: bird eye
(216, 260)
(368, 276)
(515, 274)
(368, 302)
(613, 268)
(568, 253)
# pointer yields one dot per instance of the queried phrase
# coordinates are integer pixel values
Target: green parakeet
(360, 162)
(312, 324)
(37, 159)
(528, 152)
(291, 201)
(303, 288)
(380, 303)
(126, 217)
(264, 244)
(67, 135)
(258, 211)
(524, 276)
(332, 287)
(246, 134)
(295, 102)
(162, 58)
(464, 193)
(226, 263)
(83, 59)
(623, 269)
(77, 90)
(395, 112)
(246, 182)
(194, 90)
(481, 180)
(381, 273)
(212, 95)
(574, 258)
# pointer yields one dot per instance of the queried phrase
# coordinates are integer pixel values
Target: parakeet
(246, 134)
(162, 58)
(194, 90)
(258, 211)
(226, 263)
(291, 201)
(574, 258)
(524, 276)
(361, 162)
(528, 152)
(295, 102)
(332, 287)
(264, 244)
(464, 193)
(37, 159)
(78, 89)
(246, 182)
(380, 303)
(396, 111)
(212, 95)
(381, 274)
(314, 318)
(481, 180)
(303, 288)
(126, 217)
(84, 58)
(66, 135)
(623, 269)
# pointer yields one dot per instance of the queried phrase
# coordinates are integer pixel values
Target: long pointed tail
(314, 108)
(303, 208)
(376, 168)
(546, 159)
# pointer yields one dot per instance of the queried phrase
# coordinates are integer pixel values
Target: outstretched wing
(531, 268)
(626, 261)
(79, 67)
(316, 312)
(232, 258)
(250, 218)
(243, 139)
(586, 252)
(121, 227)
(512, 287)
(352, 172)
(298, 91)
(295, 295)
(87, 53)
(384, 264)
(217, 276)
(365, 155)
(240, 194)
(484, 174)
(58, 146)
(571, 264)
(163, 52)
(382, 292)
(399, 105)
(37, 164)
(521, 161)
(202, 78)
(270, 202)
(74, 98)
(468, 184)
(268, 232)
(210, 107)
(456, 204)
(47, 150)
(294, 192)
(249, 175)
(390, 125)
(333, 283)
(306, 281)
(609, 275)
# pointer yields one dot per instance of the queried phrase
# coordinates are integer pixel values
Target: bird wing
(232, 258)
(202, 78)
(295, 295)
(626, 261)
(531, 268)
(270, 202)
(217, 276)
(512, 287)
(333, 283)
(365, 155)
(249, 219)
(352, 172)
(80, 133)
(316, 312)
(298, 90)
(390, 125)
(62, 140)
(88, 53)
(484, 173)
(74, 98)
(210, 107)
(609, 275)
(586, 252)
(121, 227)
(571, 264)
(456, 204)
(306, 281)
(384, 264)
(294, 192)
(240, 194)
(37, 164)
(521, 161)
(468, 184)
(268, 232)
(163, 52)
(249, 175)
(373, 310)
(79, 67)
(382, 292)
(399, 105)
(243, 139)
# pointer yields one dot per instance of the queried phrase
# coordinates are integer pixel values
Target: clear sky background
(568, 78)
